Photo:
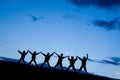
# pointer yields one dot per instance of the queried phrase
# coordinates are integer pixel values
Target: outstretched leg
(74, 68)
(61, 66)
(24, 61)
(48, 64)
(19, 61)
(56, 65)
(85, 69)
(80, 68)
(29, 62)
(68, 68)
(35, 63)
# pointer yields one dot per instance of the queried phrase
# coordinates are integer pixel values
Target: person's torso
(47, 57)
(84, 62)
(72, 61)
(33, 56)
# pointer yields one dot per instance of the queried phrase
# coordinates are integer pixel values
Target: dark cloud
(109, 62)
(115, 61)
(97, 3)
(108, 25)
(35, 18)
(92, 60)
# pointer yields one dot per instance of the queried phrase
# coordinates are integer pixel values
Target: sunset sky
(71, 27)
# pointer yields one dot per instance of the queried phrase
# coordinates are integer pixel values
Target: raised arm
(79, 58)
(43, 54)
(19, 51)
(65, 56)
(86, 56)
(29, 51)
(76, 58)
(51, 54)
(68, 57)
(56, 53)
(37, 53)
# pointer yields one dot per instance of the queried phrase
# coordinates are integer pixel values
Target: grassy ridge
(15, 71)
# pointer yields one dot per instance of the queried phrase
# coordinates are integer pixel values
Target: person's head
(24, 51)
(84, 57)
(48, 53)
(34, 52)
(72, 57)
(61, 54)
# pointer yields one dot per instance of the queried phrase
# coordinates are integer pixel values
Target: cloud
(109, 62)
(97, 3)
(113, 61)
(92, 60)
(35, 18)
(108, 25)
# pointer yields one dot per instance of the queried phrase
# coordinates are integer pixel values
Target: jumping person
(23, 54)
(72, 62)
(47, 58)
(60, 59)
(33, 57)
(83, 64)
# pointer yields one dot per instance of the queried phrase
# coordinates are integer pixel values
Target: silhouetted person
(60, 59)
(47, 58)
(33, 57)
(83, 64)
(72, 62)
(23, 54)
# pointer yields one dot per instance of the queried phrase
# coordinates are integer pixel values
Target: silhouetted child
(60, 59)
(47, 58)
(33, 57)
(83, 64)
(23, 54)
(72, 62)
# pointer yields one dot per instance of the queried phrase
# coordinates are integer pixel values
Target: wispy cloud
(113, 61)
(108, 4)
(92, 60)
(108, 25)
(35, 18)
(109, 62)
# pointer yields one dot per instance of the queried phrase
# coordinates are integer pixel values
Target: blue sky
(72, 27)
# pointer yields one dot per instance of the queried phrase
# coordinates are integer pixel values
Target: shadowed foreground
(15, 71)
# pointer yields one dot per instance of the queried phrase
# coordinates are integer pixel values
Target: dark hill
(14, 71)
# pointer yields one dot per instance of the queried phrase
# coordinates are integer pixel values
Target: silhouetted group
(47, 56)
